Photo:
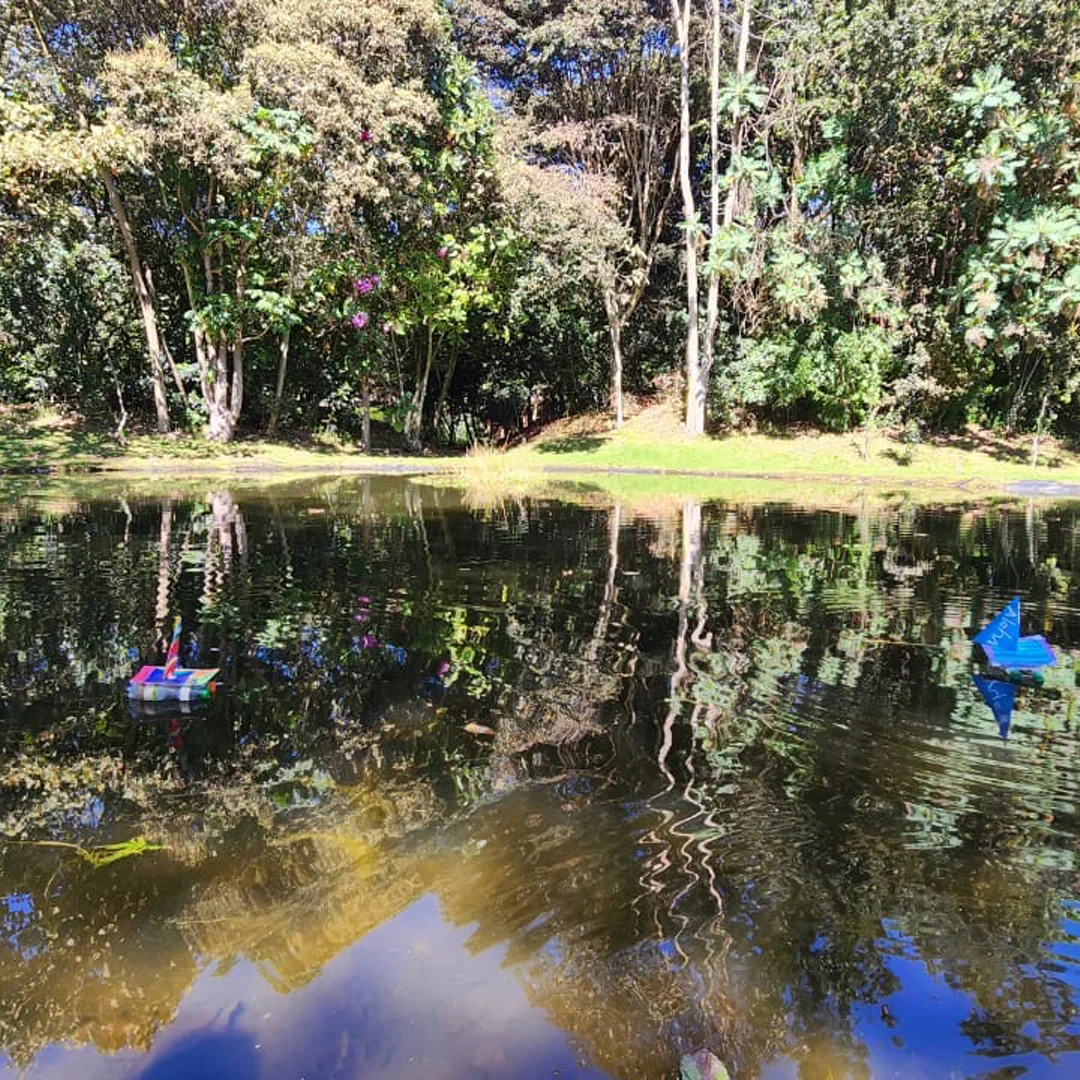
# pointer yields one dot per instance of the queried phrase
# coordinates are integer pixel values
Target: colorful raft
(1006, 649)
(171, 682)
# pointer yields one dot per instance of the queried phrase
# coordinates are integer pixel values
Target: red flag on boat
(172, 657)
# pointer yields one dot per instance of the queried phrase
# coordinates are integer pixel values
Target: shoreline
(452, 472)
(648, 451)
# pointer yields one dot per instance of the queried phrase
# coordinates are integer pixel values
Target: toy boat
(171, 682)
(1006, 649)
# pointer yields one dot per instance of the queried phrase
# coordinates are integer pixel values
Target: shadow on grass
(30, 443)
(571, 445)
(904, 458)
(1016, 450)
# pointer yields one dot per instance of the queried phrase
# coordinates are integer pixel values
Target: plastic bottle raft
(171, 682)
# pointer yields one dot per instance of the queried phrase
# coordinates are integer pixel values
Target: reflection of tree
(831, 795)
(226, 542)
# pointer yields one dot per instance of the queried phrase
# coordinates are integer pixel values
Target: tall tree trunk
(144, 299)
(732, 201)
(221, 360)
(695, 390)
(219, 419)
(279, 387)
(414, 422)
(1038, 428)
(615, 327)
(444, 390)
(712, 306)
(365, 417)
(236, 393)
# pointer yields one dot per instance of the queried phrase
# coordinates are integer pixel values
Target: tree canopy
(472, 216)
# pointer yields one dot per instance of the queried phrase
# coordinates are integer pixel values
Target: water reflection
(598, 787)
(1001, 697)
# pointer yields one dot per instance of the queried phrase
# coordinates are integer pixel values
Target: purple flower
(365, 135)
(369, 641)
(360, 320)
(364, 285)
(363, 599)
(443, 252)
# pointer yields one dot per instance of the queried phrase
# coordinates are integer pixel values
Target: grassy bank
(46, 442)
(653, 440)
(650, 445)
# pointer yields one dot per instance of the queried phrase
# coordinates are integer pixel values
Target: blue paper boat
(1006, 649)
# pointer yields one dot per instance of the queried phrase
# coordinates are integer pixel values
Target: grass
(490, 478)
(652, 440)
(648, 456)
(44, 441)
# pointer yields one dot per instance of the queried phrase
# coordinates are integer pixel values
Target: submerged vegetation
(453, 223)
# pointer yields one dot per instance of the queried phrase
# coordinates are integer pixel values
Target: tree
(695, 385)
(69, 77)
(597, 85)
(1020, 285)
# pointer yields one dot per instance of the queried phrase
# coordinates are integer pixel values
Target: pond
(555, 787)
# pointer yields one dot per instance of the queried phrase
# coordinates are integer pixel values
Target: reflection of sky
(407, 1000)
(410, 999)
(912, 1033)
(17, 919)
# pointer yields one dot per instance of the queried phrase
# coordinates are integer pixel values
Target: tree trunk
(221, 367)
(279, 388)
(444, 390)
(365, 420)
(732, 201)
(614, 321)
(122, 422)
(414, 422)
(221, 424)
(236, 395)
(144, 299)
(712, 306)
(695, 390)
(1038, 429)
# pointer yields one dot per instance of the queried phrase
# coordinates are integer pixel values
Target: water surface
(552, 788)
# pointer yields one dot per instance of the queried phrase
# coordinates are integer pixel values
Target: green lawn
(45, 442)
(975, 459)
(651, 444)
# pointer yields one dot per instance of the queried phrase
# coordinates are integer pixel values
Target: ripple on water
(698, 777)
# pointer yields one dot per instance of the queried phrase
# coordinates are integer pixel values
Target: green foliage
(68, 331)
(893, 212)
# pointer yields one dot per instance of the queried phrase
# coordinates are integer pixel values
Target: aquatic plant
(101, 854)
